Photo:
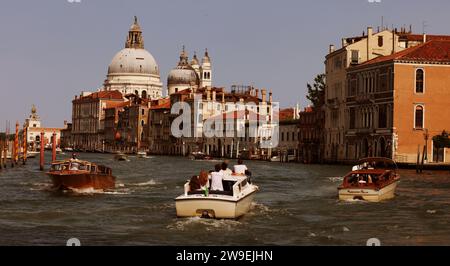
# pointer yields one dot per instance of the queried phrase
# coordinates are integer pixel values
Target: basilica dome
(133, 61)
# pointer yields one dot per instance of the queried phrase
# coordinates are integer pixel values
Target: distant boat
(142, 155)
(372, 179)
(77, 174)
(68, 149)
(200, 156)
(120, 157)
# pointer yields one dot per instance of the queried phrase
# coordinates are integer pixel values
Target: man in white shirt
(225, 170)
(216, 179)
(240, 168)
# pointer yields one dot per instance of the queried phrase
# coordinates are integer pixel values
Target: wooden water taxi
(76, 174)
(372, 179)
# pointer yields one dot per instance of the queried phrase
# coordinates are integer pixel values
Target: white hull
(217, 206)
(372, 195)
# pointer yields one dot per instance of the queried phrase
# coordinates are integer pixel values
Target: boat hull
(368, 194)
(216, 207)
(83, 181)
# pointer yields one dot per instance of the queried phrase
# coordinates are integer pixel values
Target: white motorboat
(232, 203)
(373, 179)
(142, 155)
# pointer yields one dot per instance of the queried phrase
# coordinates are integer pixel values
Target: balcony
(333, 103)
(365, 98)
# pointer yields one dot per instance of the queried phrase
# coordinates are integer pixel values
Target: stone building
(356, 51)
(311, 124)
(34, 128)
(88, 117)
(395, 104)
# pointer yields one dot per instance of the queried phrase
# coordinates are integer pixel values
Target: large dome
(133, 61)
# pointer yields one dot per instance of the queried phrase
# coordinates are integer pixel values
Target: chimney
(214, 95)
(263, 95)
(369, 45)
(424, 38)
(270, 96)
(223, 96)
(331, 48)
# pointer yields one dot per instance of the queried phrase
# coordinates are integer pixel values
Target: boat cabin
(79, 166)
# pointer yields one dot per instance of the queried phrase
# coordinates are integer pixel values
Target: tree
(316, 92)
(442, 141)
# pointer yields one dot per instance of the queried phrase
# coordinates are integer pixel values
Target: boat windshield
(75, 166)
(60, 167)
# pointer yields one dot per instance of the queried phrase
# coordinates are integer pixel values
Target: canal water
(297, 205)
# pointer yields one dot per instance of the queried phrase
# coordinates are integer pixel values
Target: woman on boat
(200, 182)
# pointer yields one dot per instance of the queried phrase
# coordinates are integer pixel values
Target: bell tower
(206, 71)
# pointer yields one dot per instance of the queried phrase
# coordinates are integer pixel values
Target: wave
(150, 182)
(92, 191)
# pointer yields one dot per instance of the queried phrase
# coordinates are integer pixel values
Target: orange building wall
(436, 102)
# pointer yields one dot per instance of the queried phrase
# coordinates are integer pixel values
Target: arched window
(419, 117)
(142, 123)
(419, 80)
(144, 94)
(136, 93)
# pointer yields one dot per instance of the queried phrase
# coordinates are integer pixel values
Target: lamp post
(426, 137)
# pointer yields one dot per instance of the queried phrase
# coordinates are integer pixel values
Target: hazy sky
(50, 50)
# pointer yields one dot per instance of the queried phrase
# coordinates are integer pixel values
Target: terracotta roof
(239, 115)
(432, 51)
(419, 37)
(113, 95)
(116, 104)
(286, 114)
(161, 104)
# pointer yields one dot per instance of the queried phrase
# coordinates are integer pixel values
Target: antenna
(424, 26)
(382, 23)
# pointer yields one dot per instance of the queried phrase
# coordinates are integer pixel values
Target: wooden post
(41, 161)
(418, 159)
(1, 154)
(16, 145)
(25, 144)
(54, 147)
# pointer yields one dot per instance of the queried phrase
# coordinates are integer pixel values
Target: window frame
(416, 106)
(415, 80)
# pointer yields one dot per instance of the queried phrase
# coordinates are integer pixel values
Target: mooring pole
(15, 159)
(1, 154)
(41, 161)
(25, 145)
(54, 147)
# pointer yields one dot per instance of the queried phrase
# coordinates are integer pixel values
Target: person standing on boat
(240, 168)
(216, 178)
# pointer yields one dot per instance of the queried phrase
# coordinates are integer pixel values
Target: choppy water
(297, 205)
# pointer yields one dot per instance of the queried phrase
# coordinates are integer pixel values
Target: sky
(51, 50)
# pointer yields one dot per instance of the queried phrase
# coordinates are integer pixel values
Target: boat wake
(335, 179)
(205, 224)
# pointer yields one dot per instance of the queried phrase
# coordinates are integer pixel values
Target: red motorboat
(74, 174)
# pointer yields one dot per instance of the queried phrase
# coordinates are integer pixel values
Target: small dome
(184, 73)
(133, 61)
(183, 76)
